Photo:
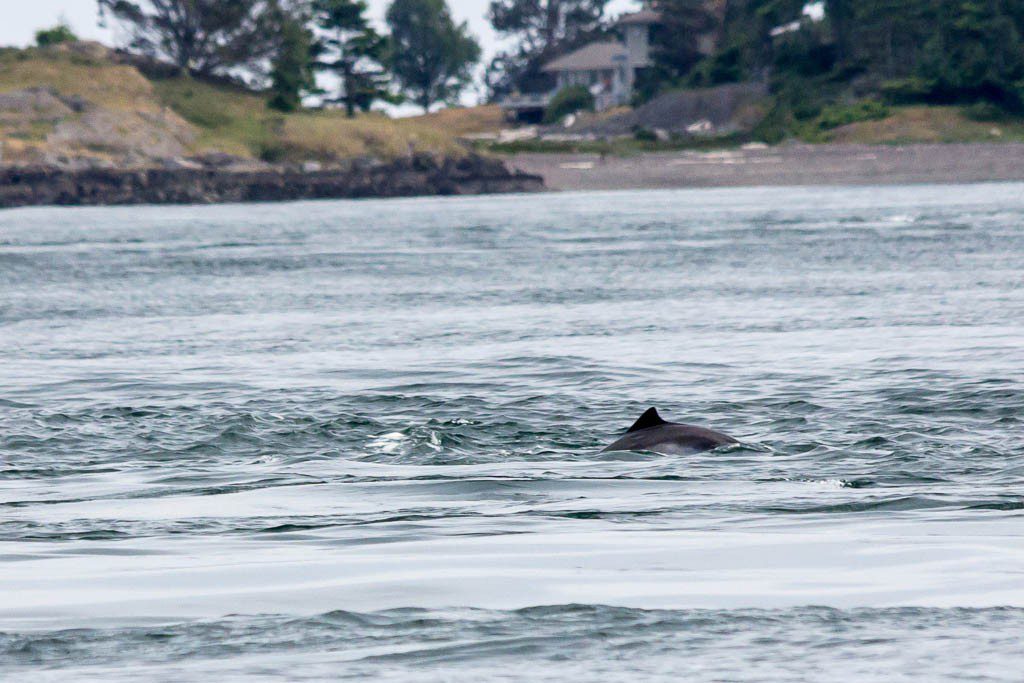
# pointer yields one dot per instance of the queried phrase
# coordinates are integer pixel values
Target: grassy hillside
(929, 124)
(93, 107)
(238, 121)
(124, 112)
(103, 83)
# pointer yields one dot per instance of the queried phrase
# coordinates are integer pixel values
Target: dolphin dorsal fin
(648, 419)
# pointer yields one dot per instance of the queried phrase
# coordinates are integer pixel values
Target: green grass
(109, 85)
(615, 147)
(229, 119)
(915, 124)
(237, 121)
(232, 119)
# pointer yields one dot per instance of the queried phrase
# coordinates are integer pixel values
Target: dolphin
(651, 433)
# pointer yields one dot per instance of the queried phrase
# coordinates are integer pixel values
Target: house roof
(644, 16)
(592, 56)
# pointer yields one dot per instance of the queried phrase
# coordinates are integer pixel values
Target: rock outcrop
(43, 124)
(193, 183)
(721, 110)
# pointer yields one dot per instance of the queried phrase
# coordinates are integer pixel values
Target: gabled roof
(590, 57)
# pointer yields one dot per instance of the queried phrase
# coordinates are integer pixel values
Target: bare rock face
(228, 162)
(57, 127)
(721, 110)
(32, 105)
(122, 132)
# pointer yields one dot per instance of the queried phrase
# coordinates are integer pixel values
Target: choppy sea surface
(327, 440)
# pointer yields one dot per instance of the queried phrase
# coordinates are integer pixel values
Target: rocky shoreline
(418, 174)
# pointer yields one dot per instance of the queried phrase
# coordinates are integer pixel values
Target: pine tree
(352, 50)
(976, 53)
(676, 41)
(840, 15)
(291, 74)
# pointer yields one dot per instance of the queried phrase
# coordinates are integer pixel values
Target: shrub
(841, 115)
(806, 110)
(722, 67)
(804, 54)
(569, 100)
(645, 135)
(986, 112)
(775, 126)
(61, 33)
(908, 90)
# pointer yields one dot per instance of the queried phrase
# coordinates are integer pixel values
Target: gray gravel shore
(781, 165)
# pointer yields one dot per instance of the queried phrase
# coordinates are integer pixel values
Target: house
(607, 68)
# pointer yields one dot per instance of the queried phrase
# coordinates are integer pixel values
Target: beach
(791, 164)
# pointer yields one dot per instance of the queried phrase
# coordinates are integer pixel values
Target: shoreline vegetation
(81, 123)
(84, 124)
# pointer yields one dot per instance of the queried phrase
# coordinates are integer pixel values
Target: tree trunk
(350, 98)
(552, 20)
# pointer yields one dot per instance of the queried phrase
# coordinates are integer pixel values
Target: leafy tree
(200, 36)
(430, 56)
(541, 30)
(352, 49)
(61, 33)
(840, 14)
(291, 74)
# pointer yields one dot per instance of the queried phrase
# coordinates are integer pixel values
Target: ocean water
(326, 440)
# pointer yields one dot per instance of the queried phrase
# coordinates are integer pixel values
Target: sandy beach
(782, 165)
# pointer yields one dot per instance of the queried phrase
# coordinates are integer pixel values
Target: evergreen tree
(976, 53)
(729, 41)
(888, 35)
(351, 49)
(430, 56)
(291, 74)
(840, 15)
(676, 43)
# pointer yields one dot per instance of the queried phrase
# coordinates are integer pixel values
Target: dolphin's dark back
(649, 419)
(651, 433)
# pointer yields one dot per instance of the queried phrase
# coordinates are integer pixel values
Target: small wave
(566, 641)
(893, 504)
